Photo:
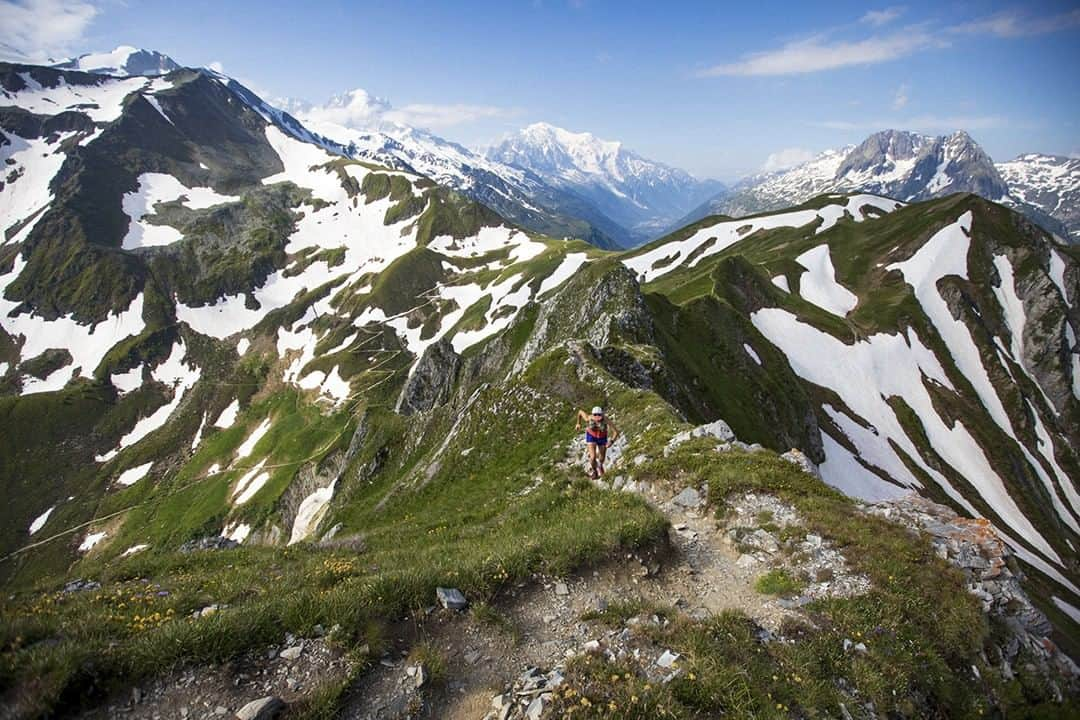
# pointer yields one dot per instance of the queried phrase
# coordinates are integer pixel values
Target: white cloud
(217, 67)
(356, 109)
(361, 110)
(788, 157)
(817, 53)
(900, 99)
(926, 123)
(877, 18)
(1017, 24)
(41, 30)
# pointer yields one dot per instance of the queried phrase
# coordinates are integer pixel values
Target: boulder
(262, 709)
(717, 429)
(451, 598)
(798, 457)
(688, 498)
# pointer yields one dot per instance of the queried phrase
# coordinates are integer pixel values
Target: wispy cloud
(41, 30)
(788, 157)
(362, 110)
(927, 123)
(1015, 23)
(817, 53)
(900, 99)
(427, 115)
(877, 18)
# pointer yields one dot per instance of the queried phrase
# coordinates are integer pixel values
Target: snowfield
(818, 284)
(87, 344)
(157, 188)
(722, 235)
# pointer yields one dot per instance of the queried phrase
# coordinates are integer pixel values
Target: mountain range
(263, 379)
(911, 167)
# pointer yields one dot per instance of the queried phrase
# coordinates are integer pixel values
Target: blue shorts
(598, 441)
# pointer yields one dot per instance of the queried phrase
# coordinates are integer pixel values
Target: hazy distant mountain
(642, 195)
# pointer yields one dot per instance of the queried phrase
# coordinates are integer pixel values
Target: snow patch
(134, 549)
(818, 284)
(228, 415)
(569, 265)
(157, 188)
(311, 512)
(1071, 610)
(87, 344)
(40, 520)
(135, 474)
(1057, 275)
(253, 439)
(726, 233)
(866, 373)
(750, 351)
(177, 374)
(91, 540)
(237, 533)
(251, 483)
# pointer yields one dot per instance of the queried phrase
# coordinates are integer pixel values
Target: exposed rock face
(432, 380)
(994, 578)
(595, 310)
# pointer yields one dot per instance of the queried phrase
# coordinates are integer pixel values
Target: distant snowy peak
(638, 193)
(910, 166)
(577, 157)
(775, 190)
(899, 164)
(124, 61)
(1051, 183)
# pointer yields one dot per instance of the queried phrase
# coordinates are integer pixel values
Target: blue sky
(710, 87)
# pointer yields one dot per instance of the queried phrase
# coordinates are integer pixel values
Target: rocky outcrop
(432, 380)
(596, 310)
(993, 576)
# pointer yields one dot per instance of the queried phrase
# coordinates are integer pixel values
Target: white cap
(598, 410)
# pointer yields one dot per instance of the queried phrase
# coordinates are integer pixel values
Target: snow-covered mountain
(1049, 182)
(516, 194)
(899, 164)
(124, 61)
(642, 195)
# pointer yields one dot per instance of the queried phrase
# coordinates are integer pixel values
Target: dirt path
(698, 573)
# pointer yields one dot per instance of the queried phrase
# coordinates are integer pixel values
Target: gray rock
(432, 380)
(688, 498)
(717, 429)
(213, 542)
(561, 588)
(451, 598)
(535, 710)
(798, 457)
(262, 709)
(292, 653)
(668, 659)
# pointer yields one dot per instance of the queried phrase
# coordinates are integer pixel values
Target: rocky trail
(501, 661)
(499, 668)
